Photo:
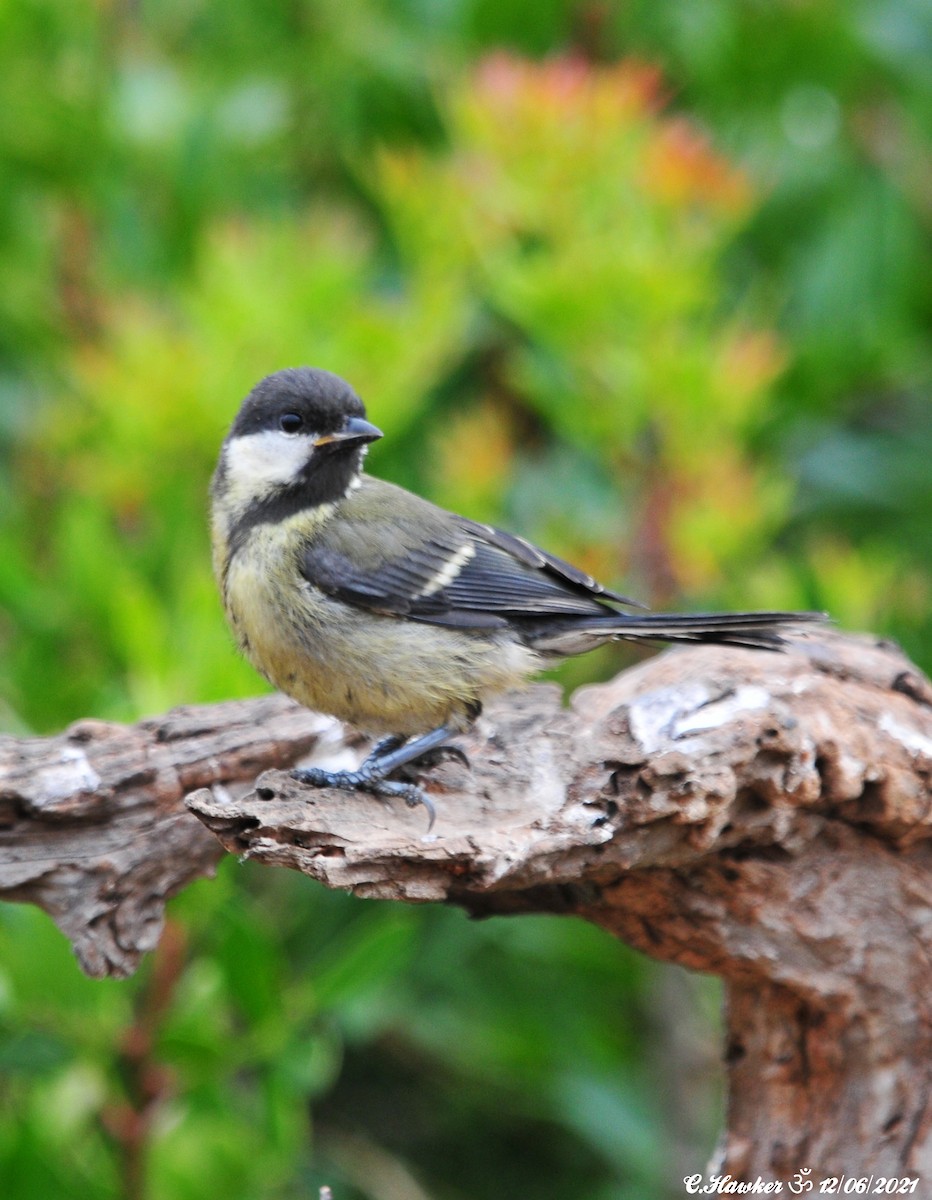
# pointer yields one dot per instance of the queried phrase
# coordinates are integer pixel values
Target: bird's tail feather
(761, 630)
(757, 630)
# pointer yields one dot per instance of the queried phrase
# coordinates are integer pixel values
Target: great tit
(359, 599)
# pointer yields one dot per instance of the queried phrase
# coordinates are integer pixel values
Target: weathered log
(765, 817)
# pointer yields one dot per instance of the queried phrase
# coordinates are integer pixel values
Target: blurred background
(649, 283)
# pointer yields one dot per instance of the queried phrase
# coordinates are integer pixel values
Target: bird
(363, 600)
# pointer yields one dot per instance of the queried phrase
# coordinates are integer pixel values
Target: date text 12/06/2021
(801, 1184)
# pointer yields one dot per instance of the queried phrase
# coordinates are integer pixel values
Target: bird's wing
(416, 561)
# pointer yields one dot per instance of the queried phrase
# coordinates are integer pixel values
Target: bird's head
(299, 438)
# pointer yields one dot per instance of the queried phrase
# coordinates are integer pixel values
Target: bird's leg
(388, 756)
(392, 753)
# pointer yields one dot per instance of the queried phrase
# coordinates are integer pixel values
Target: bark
(93, 826)
(765, 817)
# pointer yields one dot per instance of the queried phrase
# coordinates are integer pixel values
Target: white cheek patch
(259, 463)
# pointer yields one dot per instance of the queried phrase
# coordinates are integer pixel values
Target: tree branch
(93, 827)
(766, 817)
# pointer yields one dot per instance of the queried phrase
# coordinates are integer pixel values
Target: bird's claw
(430, 759)
(385, 745)
(363, 781)
(434, 757)
(393, 755)
(411, 794)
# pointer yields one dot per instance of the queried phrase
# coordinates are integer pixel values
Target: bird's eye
(290, 422)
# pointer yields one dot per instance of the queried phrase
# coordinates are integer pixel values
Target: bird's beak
(356, 429)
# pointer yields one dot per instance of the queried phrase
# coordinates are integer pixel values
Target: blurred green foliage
(649, 283)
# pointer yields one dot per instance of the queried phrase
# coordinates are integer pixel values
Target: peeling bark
(765, 817)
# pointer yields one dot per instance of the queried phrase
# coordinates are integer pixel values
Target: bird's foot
(430, 759)
(388, 757)
(384, 746)
(367, 781)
